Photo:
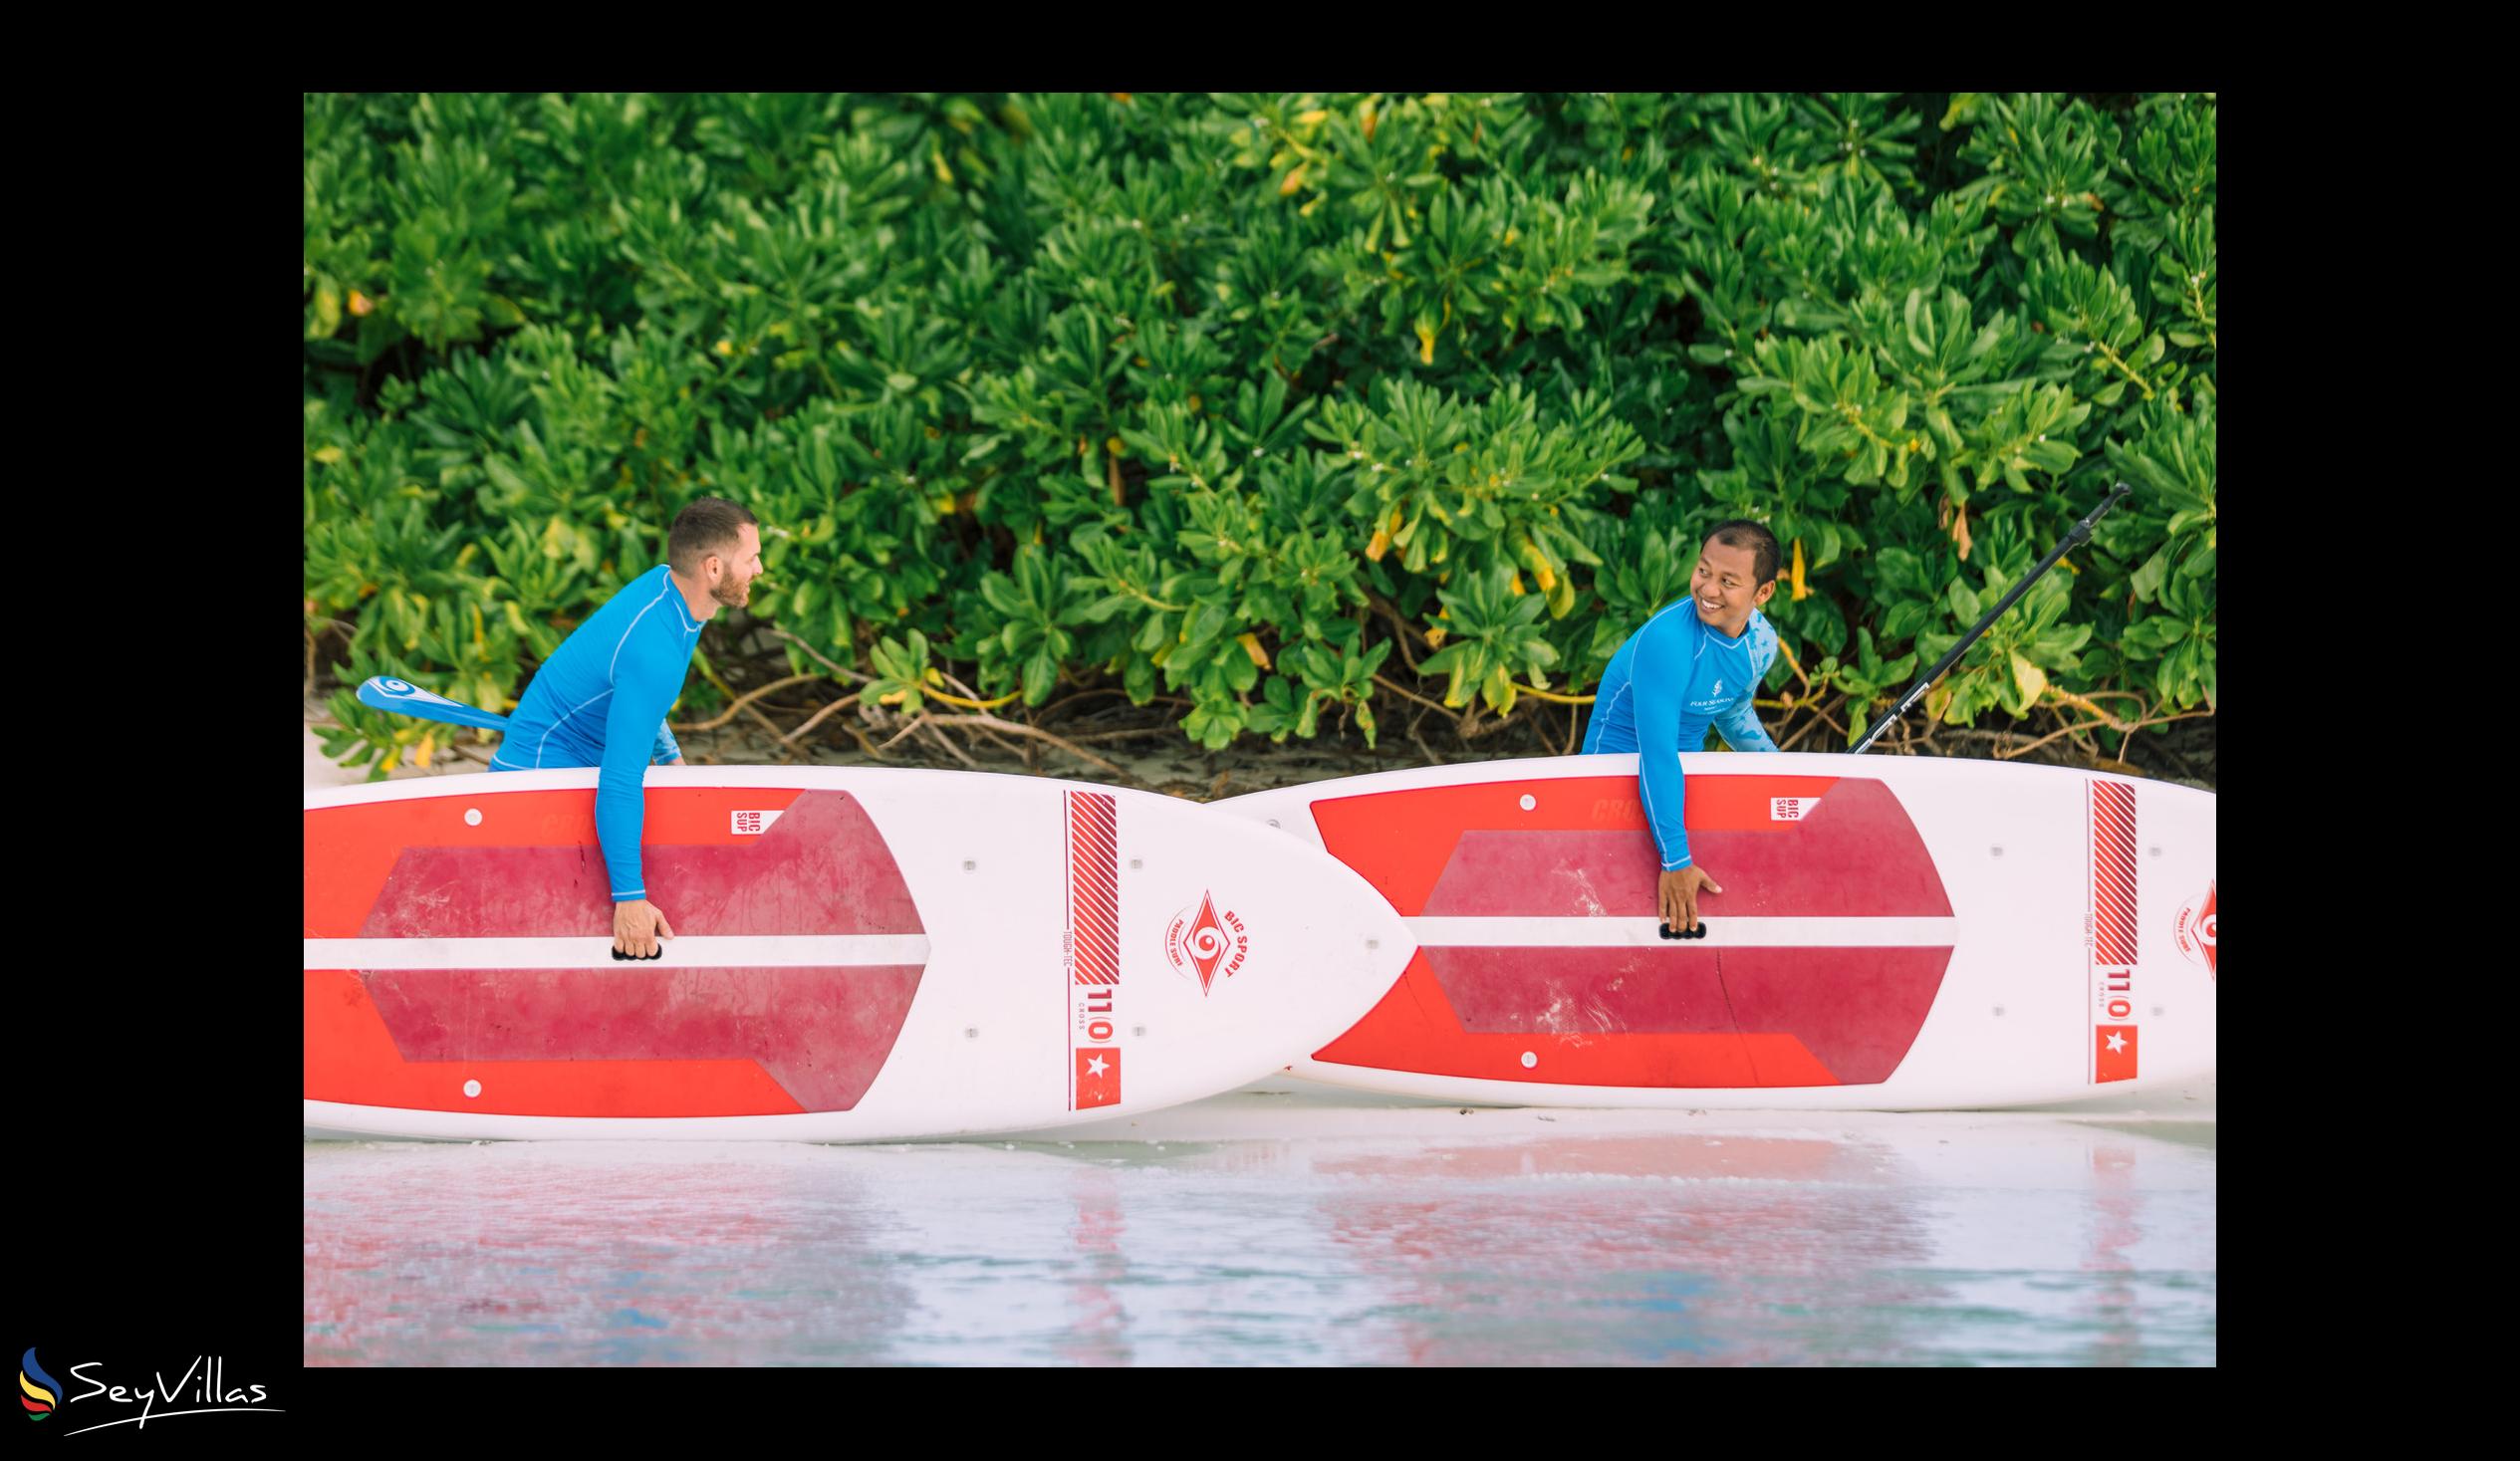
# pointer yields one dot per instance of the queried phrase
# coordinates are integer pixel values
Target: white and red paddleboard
(863, 955)
(1897, 932)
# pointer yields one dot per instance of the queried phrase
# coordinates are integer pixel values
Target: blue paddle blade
(385, 692)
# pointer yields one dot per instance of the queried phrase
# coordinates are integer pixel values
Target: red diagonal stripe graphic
(1094, 886)
(2113, 886)
(1098, 882)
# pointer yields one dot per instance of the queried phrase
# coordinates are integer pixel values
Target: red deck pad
(605, 1041)
(1855, 1010)
(1856, 857)
(1402, 841)
(1415, 1029)
(532, 867)
(1656, 1018)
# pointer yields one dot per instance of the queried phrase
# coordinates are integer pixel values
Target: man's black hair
(1743, 533)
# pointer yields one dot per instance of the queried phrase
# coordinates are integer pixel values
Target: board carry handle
(2073, 539)
(622, 958)
(1666, 931)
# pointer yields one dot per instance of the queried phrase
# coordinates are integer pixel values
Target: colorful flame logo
(42, 1391)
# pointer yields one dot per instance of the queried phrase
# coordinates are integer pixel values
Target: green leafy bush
(1213, 397)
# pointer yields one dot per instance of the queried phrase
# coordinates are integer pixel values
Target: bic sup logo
(2195, 932)
(1199, 941)
(203, 1388)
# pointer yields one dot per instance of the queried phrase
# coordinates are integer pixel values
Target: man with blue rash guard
(602, 698)
(1695, 663)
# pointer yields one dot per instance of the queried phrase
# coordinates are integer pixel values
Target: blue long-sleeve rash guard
(1671, 680)
(600, 700)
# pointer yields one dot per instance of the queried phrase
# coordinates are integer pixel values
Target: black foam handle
(1666, 931)
(621, 957)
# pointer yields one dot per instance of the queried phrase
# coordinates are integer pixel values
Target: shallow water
(1376, 1237)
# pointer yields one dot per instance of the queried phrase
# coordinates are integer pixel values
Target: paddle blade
(385, 692)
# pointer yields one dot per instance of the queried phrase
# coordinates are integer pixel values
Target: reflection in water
(2045, 1242)
(545, 1254)
(1099, 1333)
(1648, 1249)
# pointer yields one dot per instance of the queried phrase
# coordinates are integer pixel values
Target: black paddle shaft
(2073, 539)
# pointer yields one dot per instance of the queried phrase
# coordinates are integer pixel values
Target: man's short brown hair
(709, 525)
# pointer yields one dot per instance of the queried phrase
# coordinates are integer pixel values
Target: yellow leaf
(1426, 344)
(1314, 118)
(1537, 562)
(2030, 678)
(428, 748)
(1516, 585)
(1251, 645)
(893, 698)
(328, 455)
(1380, 544)
(1434, 637)
(1801, 591)
(934, 677)
(1293, 180)
(359, 304)
(1115, 446)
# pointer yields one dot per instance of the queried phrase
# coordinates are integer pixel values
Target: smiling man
(1694, 664)
(602, 698)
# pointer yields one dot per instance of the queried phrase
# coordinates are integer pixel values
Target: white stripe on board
(1721, 932)
(688, 952)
